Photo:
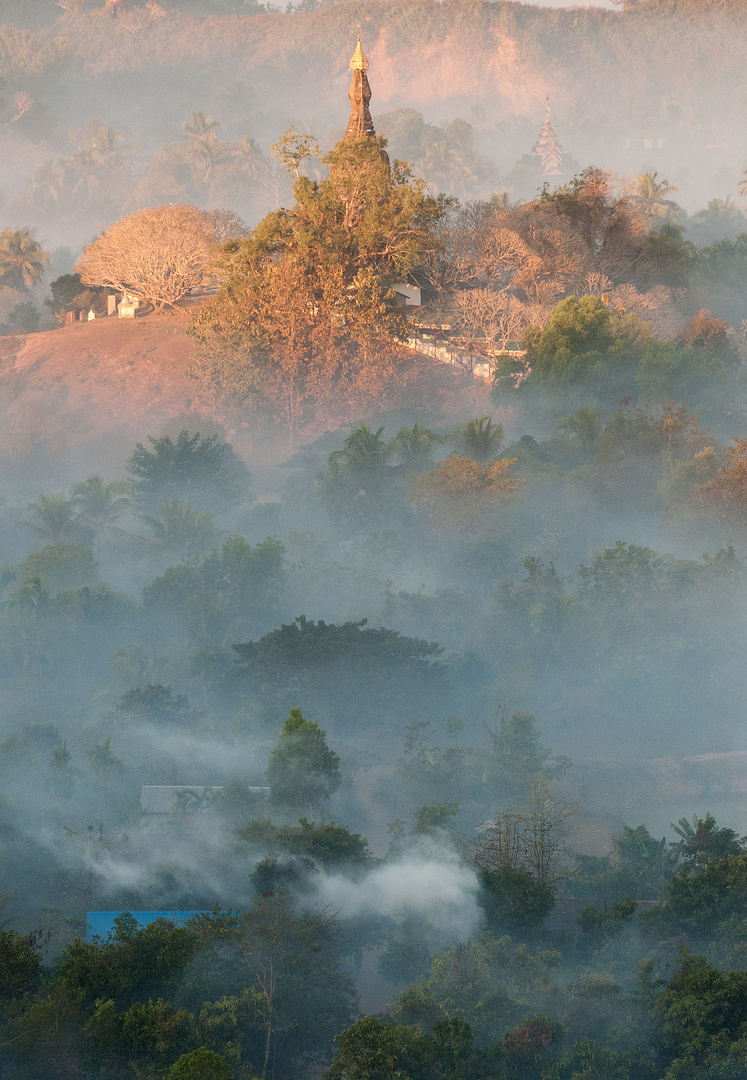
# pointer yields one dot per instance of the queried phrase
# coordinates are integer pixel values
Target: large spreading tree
(158, 255)
(308, 318)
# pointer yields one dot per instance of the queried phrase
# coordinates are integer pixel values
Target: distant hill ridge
(505, 54)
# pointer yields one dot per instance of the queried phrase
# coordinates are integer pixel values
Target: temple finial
(360, 124)
(547, 107)
(359, 60)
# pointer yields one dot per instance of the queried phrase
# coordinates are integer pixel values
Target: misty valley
(373, 551)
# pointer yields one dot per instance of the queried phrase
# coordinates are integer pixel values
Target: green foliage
(703, 841)
(70, 294)
(63, 773)
(444, 156)
(146, 1036)
(515, 756)
(638, 867)
(578, 337)
(478, 439)
(407, 956)
(623, 568)
(375, 1050)
(200, 1064)
(102, 760)
(238, 580)
(432, 818)
(131, 963)
(413, 448)
(23, 319)
(587, 1061)
(303, 644)
(358, 485)
(530, 1049)
(152, 704)
(328, 844)
(307, 317)
(55, 518)
(94, 606)
(513, 899)
(490, 978)
(430, 770)
(62, 565)
(302, 769)
(600, 926)
(181, 528)
(699, 1018)
(205, 470)
(20, 964)
(708, 903)
(22, 259)
(102, 504)
(364, 453)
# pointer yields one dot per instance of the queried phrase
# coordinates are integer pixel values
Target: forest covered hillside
(501, 56)
(620, 93)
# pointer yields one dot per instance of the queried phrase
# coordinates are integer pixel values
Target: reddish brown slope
(87, 393)
(105, 383)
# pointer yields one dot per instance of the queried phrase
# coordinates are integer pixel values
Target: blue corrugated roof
(101, 923)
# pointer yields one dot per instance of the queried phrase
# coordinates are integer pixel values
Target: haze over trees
(421, 737)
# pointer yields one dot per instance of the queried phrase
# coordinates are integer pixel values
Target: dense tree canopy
(308, 315)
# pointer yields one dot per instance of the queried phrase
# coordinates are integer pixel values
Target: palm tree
(721, 218)
(22, 259)
(199, 126)
(103, 762)
(203, 141)
(48, 180)
(252, 162)
(650, 198)
(440, 162)
(101, 504)
(62, 770)
(55, 519)
(364, 451)
(413, 447)
(29, 597)
(106, 141)
(205, 151)
(478, 439)
(181, 528)
(585, 426)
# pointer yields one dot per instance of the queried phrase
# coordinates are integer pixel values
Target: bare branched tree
(486, 320)
(132, 22)
(158, 255)
(22, 103)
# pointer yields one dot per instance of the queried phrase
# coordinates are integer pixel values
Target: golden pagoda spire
(360, 124)
(359, 60)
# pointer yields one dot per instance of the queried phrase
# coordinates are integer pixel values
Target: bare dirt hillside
(93, 388)
(80, 397)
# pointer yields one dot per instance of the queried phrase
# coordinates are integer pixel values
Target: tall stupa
(360, 124)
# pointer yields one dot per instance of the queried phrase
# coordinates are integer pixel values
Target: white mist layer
(435, 887)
